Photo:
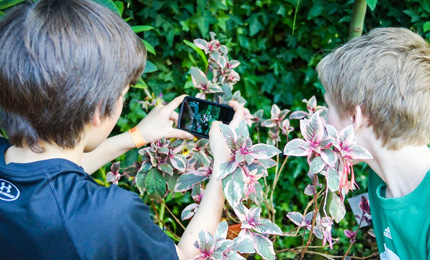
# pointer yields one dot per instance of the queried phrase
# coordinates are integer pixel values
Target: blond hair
(387, 73)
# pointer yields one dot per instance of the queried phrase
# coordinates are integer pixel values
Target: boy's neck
(402, 170)
(25, 155)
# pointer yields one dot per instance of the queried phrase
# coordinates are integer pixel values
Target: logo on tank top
(8, 191)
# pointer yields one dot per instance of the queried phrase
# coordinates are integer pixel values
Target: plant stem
(160, 221)
(357, 20)
(173, 215)
(275, 182)
(355, 236)
(316, 209)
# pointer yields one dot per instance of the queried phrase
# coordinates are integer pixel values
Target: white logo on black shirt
(8, 191)
(387, 233)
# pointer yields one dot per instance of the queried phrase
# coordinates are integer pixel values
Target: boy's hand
(218, 146)
(159, 123)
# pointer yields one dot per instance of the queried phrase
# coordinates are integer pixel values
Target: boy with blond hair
(65, 67)
(380, 83)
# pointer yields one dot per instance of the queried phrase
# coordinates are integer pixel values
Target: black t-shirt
(52, 209)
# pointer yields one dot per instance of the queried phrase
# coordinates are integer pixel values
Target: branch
(357, 20)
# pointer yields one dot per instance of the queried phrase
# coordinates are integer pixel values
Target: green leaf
(426, 26)
(155, 183)
(4, 4)
(165, 168)
(140, 181)
(171, 181)
(425, 4)
(141, 28)
(150, 67)
(149, 47)
(109, 4)
(199, 51)
(120, 6)
(371, 4)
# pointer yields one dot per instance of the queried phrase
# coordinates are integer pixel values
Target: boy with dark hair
(380, 83)
(65, 67)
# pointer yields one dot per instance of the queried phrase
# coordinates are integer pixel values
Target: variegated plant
(183, 166)
(329, 154)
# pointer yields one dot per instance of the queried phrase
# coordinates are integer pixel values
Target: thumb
(181, 134)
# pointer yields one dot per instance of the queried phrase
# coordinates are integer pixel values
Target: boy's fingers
(214, 128)
(177, 133)
(174, 116)
(175, 103)
(238, 115)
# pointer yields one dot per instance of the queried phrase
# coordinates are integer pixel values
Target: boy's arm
(156, 125)
(208, 216)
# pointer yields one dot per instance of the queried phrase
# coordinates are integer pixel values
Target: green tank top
(402, 225)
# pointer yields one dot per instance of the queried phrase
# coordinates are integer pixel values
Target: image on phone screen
(197, 115)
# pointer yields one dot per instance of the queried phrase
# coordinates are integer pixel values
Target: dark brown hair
(59, 60)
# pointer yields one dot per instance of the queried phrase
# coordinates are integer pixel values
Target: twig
(316, 210)
(297, 250)
(173, 215)
(275, 181)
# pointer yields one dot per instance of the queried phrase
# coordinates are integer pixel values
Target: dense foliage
(278, 43)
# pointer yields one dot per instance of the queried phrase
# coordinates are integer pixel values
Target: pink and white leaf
(201, 44)
(188, 180)
(244, 245)
(229, 136)
(297, 218)
(234, 187)
(264, 247)
(221, 232)
(317, 165)
(178, 162)
(199, 78)
(265, 226)
(233, 64)
(297, 147)
(213, 88)
(275, 111)
(264, 151)
(298, 115)
(189, 211)
(359, 153)
(333, 180)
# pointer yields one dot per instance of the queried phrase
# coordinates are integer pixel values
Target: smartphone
(196, 115)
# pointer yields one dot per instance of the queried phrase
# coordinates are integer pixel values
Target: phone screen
(196, 115)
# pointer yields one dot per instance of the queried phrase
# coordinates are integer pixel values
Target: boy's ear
(359, 119)
(96, 119)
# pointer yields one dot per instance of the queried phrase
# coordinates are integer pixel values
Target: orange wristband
(137, 137)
